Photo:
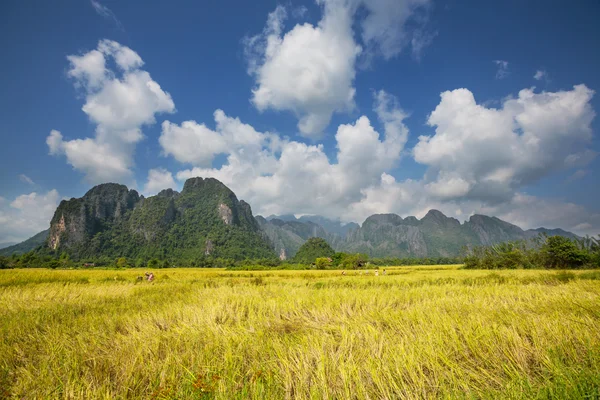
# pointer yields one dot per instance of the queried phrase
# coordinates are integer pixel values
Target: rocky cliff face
(389, 235)
(385, 234)
(286, 237)
(76, 220)
(206, 218)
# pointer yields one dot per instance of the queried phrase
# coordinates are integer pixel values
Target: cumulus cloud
(281, 176)
(159, 179)
(486, 153)
(26, 179)
(480, 160)
(502, 71)
(119, 101)
(413, 197)
(310, 69)
(27, 215)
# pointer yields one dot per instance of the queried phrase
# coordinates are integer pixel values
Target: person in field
(151, 277)
(384, 272)
(376, 272)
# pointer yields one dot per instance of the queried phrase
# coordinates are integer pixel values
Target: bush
(323, 262)
(4, 264)
(553, 252)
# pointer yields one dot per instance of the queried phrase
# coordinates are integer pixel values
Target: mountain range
(207, 219)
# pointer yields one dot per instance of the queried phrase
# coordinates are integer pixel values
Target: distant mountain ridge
(389, 235)
(33, 242)
(207, 219)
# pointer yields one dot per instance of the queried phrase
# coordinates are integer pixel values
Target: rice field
(414, 333)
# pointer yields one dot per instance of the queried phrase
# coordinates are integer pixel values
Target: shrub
(323, 262)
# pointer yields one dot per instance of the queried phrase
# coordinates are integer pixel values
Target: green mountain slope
(30, 244)
(205, 219)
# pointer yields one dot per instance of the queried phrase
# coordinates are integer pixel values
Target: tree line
(549, 252)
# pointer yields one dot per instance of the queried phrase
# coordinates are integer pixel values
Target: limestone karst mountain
(207, 219)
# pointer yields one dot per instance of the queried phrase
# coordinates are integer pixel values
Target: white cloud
(197, 144)
(88, 69)
(119, 102)
(480, 160)
(159, 179)
(280, 176)
(533, 212)
(412, 197)
(502, 71)
(310, 70)
(540, 74)
(191, 142)
(27, 215)
(26, 179)
(489, 153)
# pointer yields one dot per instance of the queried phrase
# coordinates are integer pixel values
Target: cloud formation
(159, 179)
(277, 175)
(480, 160)
(26, 215)
(310, 69)
(119, 101)
(486, 154)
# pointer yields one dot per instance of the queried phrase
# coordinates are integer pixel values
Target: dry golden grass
(418, 332)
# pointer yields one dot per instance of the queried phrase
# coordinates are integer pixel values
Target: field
(417, 332)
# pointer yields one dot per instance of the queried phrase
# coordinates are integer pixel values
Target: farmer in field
(149, 276)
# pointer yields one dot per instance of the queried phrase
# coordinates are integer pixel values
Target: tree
(561, 252)
(354, 261)
(311, 250)
(121, 262)
(153, 263)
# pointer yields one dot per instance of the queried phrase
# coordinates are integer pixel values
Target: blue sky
(289, 76)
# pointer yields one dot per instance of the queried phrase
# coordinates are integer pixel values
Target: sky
(340, 108)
